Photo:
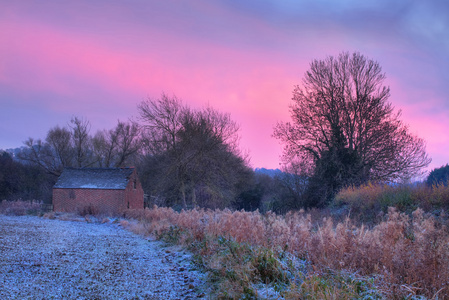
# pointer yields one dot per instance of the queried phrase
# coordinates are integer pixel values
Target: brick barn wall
(134, 196)
(103, 201)
(76, 200)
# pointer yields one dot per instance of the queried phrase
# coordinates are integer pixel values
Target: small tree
(343, 124)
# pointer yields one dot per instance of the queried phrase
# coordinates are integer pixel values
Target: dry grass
(365, 202)
(408, 255)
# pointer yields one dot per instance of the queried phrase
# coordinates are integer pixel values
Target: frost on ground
(54, 259)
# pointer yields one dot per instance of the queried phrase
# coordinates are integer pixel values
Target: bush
(89, 210)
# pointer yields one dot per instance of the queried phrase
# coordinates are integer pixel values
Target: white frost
(89, 186)
(46, 259)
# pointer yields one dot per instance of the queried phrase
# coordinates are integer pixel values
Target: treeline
(29, 172)
(20, 180)
(73, 146)
(185, 158)
(343, 133)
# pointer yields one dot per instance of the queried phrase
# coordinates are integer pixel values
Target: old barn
(97, 190)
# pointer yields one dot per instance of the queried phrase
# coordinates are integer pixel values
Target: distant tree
(439, 176)
(41, 154)
(117, 147)
(72, 146)
(344, 126)
(251, 197)
(63, 147)
(292, 185)
(23, 181)
(9, 176)
(271, 190)
(104, 145)
(60, 141)
(129, 142)
(81, 141)
(192, 156)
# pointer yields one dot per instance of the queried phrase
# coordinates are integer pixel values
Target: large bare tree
(192, 155)
(345, 127)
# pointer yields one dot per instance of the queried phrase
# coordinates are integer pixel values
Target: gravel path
(54, 259)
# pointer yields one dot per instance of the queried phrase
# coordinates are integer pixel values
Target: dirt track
(53, 259)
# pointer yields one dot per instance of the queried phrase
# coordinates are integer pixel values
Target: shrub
(89, 210)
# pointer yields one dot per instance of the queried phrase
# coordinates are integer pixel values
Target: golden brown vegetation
(369, 202)
(405, 255)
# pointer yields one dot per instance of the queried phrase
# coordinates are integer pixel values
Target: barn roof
(94, 178)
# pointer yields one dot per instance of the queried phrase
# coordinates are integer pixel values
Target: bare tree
(60, 140)
(104, 145)
(40, 154)
(81, 139)
(63, 147)
(72, 146)
(161, 122)
(129, 142)
(343, 123)
(192, 152)
(117, 146)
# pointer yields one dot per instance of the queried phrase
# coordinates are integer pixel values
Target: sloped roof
(94, 178)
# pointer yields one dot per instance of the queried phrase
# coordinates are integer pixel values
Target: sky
(99, 59)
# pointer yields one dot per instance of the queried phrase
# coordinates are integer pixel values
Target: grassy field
(304, 255)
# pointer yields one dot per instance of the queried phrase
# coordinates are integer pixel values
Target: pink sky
(99, 59)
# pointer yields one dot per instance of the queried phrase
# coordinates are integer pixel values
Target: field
(43, 258)
(298, 257)
(374, 242)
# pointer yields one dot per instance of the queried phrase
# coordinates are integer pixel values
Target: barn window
(135, 184)
(71, 194)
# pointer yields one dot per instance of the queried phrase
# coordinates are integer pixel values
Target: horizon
(99, 60)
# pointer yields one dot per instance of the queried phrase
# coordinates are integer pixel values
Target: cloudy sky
(99, 59)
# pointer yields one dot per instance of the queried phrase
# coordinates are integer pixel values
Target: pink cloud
(230, 80)
(103, 61)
